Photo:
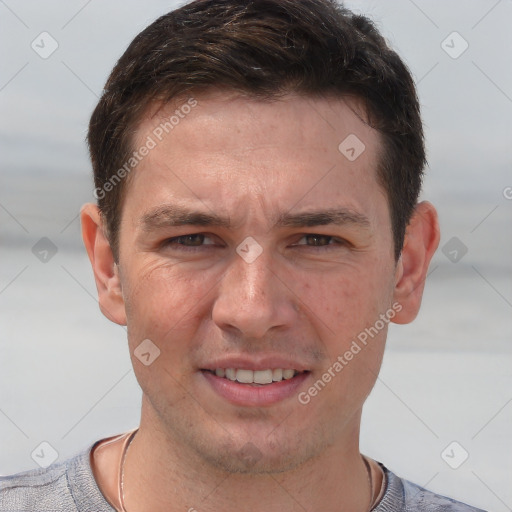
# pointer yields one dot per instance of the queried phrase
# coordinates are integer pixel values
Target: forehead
(289, 120)
(230, 150)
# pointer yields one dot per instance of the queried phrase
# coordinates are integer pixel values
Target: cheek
(345, 310)
(164, 301)
(345, 301)
(165, 305)
(353, 337)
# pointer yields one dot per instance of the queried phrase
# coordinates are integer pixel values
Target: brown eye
(193, 240)
(190, 240)
(318, 240)
(314, 240)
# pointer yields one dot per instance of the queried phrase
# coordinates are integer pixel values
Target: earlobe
(106, 272)
(421, 241)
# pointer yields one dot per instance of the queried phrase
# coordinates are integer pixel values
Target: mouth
(255, 377)
(243, 387)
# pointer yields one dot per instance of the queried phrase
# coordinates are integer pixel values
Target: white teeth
(277, 375)
(255, 377)
(262, 377)
(245, 376)
(288, 374)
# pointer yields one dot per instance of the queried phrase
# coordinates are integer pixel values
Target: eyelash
(337, 241)
(173, 241)
(182, 247)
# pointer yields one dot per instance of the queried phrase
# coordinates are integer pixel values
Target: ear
(106, 272)
(420, 243)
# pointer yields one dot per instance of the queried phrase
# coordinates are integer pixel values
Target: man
(257, 166)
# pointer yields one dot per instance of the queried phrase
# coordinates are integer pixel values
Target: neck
(162, 474)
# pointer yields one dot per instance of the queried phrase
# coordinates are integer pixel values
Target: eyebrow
(173, 215)
(336, 216)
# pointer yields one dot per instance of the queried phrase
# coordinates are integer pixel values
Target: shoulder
(422, 499)
(64, 486)
(46, 489)
(405, 496)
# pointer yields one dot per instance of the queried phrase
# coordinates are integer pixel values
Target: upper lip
(255, 363)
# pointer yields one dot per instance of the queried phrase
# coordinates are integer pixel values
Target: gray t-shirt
(70, 486)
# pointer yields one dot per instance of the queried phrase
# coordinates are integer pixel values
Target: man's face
(317, 270)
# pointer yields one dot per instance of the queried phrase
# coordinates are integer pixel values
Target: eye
(316, 240)
(193, 240)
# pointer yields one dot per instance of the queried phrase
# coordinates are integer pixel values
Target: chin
(260, 455)
(246, 444)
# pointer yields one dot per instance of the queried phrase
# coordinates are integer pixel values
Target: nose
(253, 298)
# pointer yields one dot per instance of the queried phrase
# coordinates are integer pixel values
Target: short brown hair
(264, 49)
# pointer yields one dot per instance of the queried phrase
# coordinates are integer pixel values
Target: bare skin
(301, 302)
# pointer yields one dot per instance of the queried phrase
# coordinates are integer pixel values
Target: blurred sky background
(65, 373)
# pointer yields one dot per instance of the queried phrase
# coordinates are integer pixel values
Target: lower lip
(255, 395)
